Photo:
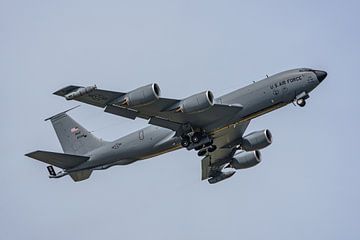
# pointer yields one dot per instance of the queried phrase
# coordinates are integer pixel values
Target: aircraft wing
(96, 97)
(161, 112)
(211, 166)
(213, 163)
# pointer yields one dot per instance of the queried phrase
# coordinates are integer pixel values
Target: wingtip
(30, 154)
(65, 90)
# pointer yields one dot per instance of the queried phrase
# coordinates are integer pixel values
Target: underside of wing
(213, 164)
(199, 111)
(216, 114)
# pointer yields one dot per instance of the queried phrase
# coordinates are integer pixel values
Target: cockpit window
(305, 70)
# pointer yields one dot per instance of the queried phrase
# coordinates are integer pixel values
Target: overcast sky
(308, 185)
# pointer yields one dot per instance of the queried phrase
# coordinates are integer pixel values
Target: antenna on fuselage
(267, 75)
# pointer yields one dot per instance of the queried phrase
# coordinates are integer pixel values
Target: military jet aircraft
(214, 127)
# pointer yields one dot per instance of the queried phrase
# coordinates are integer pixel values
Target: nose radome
(321, 75)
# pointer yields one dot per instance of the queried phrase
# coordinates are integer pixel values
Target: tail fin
(74, 138)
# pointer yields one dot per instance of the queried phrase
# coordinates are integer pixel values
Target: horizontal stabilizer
(61, 160)
(59, 115)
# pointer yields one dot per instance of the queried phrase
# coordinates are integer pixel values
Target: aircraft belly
(145, 143)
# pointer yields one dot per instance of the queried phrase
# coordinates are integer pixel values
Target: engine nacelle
(141, 96)
(196, 103)
(246, 160)
(222, 176)
(257, 140)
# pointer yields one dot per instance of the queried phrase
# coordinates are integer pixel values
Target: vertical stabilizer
(73, 137)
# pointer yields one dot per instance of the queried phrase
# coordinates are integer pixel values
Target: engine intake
(257, 140)
(141, 96)
(246, 160)
(196, 103)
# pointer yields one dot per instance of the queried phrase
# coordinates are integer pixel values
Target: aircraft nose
(321, 75)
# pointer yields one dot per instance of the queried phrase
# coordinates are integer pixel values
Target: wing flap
(213, 163)
(61, 160)
(165, 123)
(205, 168)
(121, 111)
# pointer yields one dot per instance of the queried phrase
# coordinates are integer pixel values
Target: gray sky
(307, 186)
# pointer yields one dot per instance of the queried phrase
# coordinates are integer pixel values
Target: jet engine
(257, 140)
(245, 160)
(141, 96)
(196, 103)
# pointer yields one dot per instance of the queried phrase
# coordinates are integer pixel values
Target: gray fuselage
(257, 99)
